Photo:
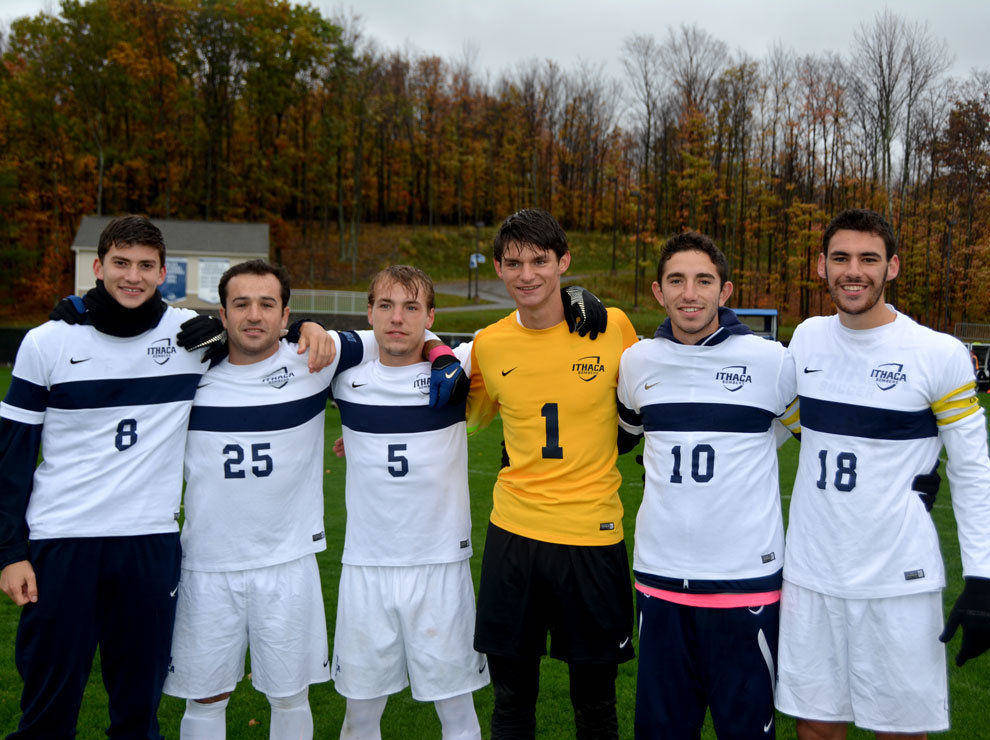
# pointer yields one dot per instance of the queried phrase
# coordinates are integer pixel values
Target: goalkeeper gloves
(972, 613)
(204, 331)
(449, 384)
(584, 313)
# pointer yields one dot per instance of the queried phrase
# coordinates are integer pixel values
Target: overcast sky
(504, 32)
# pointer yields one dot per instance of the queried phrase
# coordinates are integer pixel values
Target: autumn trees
(265, 110)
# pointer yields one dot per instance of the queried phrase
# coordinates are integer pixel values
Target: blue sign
(174, 287)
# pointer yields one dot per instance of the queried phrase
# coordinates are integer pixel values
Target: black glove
(204, 331)
(972, 613)
(71, 310)
(583, 312)
(927, 485)
(449, 384)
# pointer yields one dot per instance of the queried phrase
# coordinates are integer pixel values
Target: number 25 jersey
(555, 392)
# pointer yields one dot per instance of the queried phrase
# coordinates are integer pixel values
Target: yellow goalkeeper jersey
(555, 392)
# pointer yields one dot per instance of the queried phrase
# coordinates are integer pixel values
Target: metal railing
(344, 302)
(972, 332)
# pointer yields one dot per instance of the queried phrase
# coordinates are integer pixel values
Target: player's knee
(458, 720)
(811, 729)
(362, 719)
(213, 699)
(288, 703)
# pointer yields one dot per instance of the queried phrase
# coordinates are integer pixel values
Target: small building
(197, 254)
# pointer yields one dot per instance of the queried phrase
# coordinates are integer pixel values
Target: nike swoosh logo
(173, 592)
(624, 643)
(74, 361)
(326, 662)
(357, 385)
(647, 386)
(451, 374)
(813, 371)
(482, 669)
(767, 726)
(202, 385)
(506, 372)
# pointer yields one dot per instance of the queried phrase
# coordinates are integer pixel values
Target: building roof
(186, 237)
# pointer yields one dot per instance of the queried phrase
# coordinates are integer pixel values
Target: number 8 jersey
(876, 406)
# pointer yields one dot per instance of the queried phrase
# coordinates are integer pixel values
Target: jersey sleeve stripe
(26, 395)
(351, 351)
(630, 418)
(967, 389)
(867, 422)
(706, 417)
(98, 394)
(263, 418)
(946, 420)
(361, 417)
(791, 418)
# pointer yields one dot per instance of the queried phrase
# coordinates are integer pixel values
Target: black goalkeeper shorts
(580, 594)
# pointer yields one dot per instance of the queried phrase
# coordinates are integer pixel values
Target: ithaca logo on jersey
(733, 377)
(888, 375)
(588, 368)
(279, 378)
(161, 350)
(422, 384)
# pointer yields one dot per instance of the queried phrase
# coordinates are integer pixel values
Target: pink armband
(439, 351)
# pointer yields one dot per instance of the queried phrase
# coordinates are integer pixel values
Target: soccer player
(861, 608)
(554, 559)
(254, 516)
(405, 606)
(709, 534)
(89, 541)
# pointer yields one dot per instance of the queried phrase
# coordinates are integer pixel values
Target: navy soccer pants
(115, 592)
(693, 657)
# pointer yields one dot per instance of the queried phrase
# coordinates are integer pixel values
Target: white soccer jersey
(114, 413)
(876, 406)
(407, 490)
(254, 461)
(711, 505)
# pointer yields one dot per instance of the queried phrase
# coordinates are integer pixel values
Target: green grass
(407, 718)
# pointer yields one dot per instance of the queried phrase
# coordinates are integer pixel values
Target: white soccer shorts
(875, 662)
(399, 621)
(278, 610)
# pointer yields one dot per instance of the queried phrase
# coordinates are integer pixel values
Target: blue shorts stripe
(265, 418)
(99, 394)
(362, 417)
(706, 417)
(850, 420)
(26, 395)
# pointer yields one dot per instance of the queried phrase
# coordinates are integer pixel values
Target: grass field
(405, 718)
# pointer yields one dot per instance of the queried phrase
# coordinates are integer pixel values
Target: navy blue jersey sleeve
(351, 351)
(19, 446)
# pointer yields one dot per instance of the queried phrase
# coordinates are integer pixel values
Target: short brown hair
(411, 278)
(694, 241)
(254, 267)
(530, 227)
(131, 231)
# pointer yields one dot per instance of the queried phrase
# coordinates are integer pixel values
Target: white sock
(363, 719)
(204, 721)
(458, 720)
(291, 717)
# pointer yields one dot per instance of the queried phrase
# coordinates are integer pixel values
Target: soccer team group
(838, 623)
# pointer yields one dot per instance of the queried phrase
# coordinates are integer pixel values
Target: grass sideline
(248, 711)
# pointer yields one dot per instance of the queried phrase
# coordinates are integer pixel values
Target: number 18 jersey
(876, 406)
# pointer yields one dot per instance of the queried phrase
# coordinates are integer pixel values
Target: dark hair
(254, 267)
(533, 228)
(861, 219)
(414, 280)
(693, 241)
(131, 231)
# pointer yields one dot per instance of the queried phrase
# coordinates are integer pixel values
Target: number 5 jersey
(876, 407)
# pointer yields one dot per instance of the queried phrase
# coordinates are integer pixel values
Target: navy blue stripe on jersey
(26, 395)
(264, 418)
(19, 445)
(707, 417)
(867, 422)
(362, 417)
(629, 416)
(351, 351)
(759, 585)
(99, 394)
